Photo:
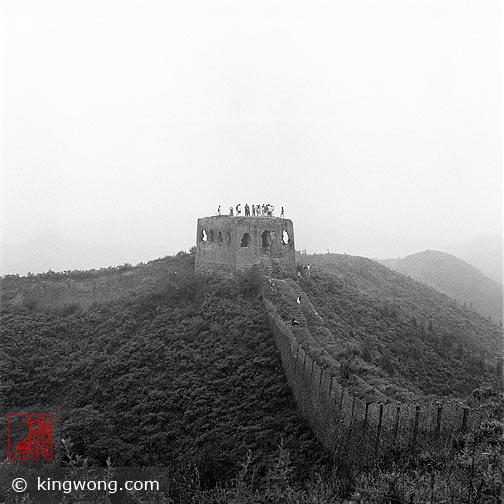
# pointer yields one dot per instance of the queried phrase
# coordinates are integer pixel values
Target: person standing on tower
(247, 210)
(231, 211)
(253, 210)
(238, 210)
(282, 213)
(218, 210)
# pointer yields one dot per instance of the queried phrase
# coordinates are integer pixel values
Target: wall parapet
(343, 422)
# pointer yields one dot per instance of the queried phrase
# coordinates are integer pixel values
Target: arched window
(219, 237)
(266, 241)
(285, 237)
(245, 240)
(211, 235)
(228, 237)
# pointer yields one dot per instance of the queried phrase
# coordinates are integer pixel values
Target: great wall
(343, 422)
(340, 419)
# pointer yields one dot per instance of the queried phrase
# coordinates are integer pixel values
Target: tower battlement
(226, 244)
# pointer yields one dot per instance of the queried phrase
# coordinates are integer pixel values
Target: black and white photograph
(251, 252)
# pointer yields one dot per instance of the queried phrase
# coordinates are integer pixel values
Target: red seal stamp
(29, 436)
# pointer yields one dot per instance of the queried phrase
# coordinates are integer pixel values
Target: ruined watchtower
(227, 244)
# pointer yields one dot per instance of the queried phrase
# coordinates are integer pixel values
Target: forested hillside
(181, 371)
(455, 278)
(186, 376)
(399, 335)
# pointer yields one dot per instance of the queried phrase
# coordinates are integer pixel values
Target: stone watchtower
(228, 244)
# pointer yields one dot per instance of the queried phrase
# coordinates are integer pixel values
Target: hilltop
(455, 278)
(77, 288)
(184, 374)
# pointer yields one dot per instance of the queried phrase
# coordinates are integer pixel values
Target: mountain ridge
(454, 277)
(484, 252)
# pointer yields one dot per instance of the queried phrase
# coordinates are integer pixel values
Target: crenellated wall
(344, 423)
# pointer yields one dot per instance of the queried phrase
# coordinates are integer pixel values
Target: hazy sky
(375, 123)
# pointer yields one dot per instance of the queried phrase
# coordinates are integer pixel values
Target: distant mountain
(455, 278)
(483, 252)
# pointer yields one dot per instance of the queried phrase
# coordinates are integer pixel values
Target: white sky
(123, 122)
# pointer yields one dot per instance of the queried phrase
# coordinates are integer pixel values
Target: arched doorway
(266, 241)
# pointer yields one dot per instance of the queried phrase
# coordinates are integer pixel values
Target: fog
(375, 124)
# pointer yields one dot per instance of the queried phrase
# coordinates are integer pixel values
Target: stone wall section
(344, 423)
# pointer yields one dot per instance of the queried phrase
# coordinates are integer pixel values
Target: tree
(386, 361)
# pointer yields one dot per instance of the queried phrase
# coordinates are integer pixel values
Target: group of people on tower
(264, 210)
